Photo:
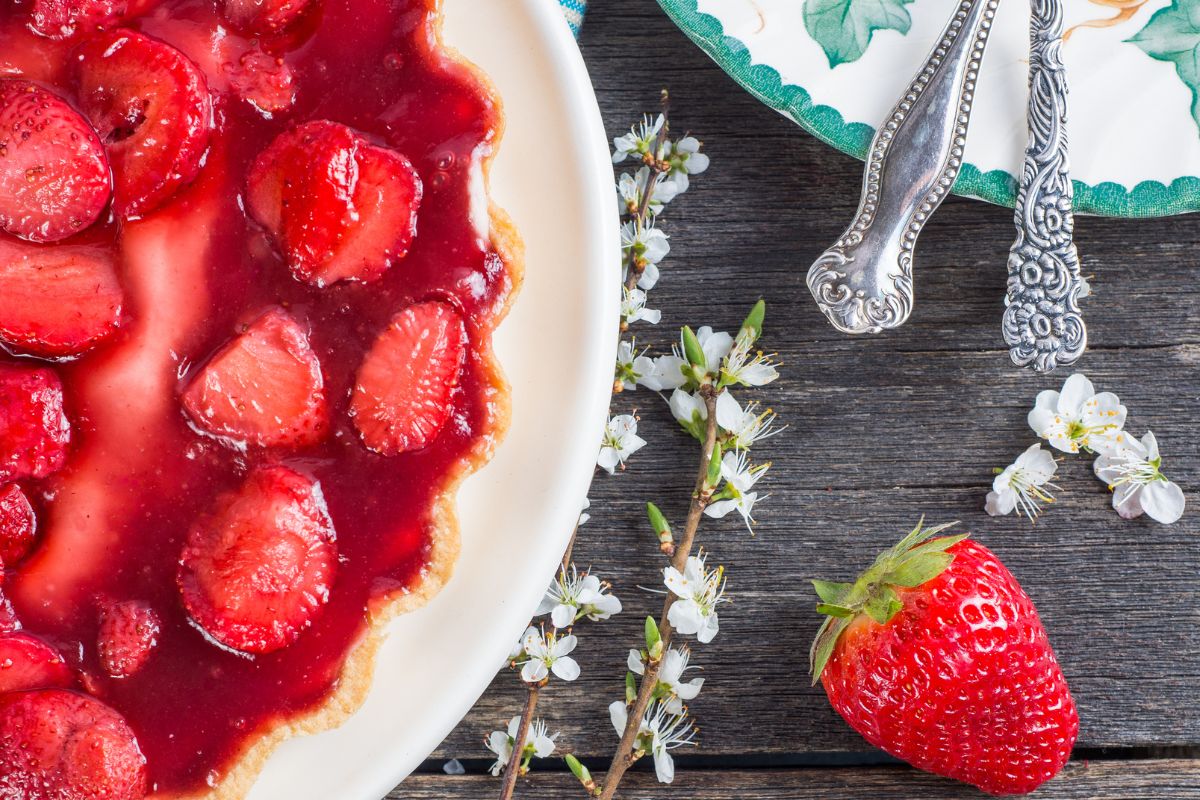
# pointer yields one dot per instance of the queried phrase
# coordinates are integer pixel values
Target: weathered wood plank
(1098, 780)
(882, 430)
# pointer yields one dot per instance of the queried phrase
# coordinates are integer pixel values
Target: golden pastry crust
(355, 681)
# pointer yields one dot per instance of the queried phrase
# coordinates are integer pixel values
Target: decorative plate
(836, 67)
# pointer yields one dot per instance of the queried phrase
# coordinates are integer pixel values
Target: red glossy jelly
(186, 96)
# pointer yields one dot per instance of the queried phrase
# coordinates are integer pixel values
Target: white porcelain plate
(557, 348)
(837, 67)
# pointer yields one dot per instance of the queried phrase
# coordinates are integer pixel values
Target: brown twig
(625, 756)
(513, 770)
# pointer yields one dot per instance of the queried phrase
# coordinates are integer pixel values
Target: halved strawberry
(263, 80)
(152, 108)
(27, 662)
(339, 208)
(62, 19)
(265, 387)
(402, 397)
(57, 301)
(264, 16)
(18, 525)
(8, 615)
(54, 176)
(255, 572)
(60, 745)
(128, 634)
(34, 431)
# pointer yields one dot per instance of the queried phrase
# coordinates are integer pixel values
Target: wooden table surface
(882, 430)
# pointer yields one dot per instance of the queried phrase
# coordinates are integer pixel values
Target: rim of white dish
(1146, 198)
(517, 513)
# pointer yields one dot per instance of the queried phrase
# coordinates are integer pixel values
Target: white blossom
(686, 159)
(689, 411)
(1024, 484)
(646, 242)
(746, 367)
(537, 743)
(665, 373)
(736, 494)
(659, 732)
(518, 650)
(1077, 417)
(1133, 471)
(584, 516)
(715, 344)
(698, 592)
(744, 426)
(573, 596)
(633, 308)
(640, 139)
(619, 443)
(632, 367)
(670, 676)
(649, 277)
(632, 189)
(548, 653)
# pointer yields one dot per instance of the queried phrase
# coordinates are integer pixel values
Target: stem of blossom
(626, 754)
(657, 169)
(513, 770)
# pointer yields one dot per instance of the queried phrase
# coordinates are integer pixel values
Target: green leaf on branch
(654, 645)
(844, 28)
(753, 325)
(692, 350)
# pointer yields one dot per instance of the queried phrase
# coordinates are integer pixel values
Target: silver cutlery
(1042, 324)
(864, 282)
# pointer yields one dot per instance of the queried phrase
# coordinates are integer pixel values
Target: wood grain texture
(882, 430)
(1102, 780)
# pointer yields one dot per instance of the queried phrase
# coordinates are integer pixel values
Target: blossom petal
(720, 508)
(1075, 392)
(664, 765)
(1000, 503)
(1127, 500)
(709, 627)
(685, 617)
(1038, 464)
(634, 662)
(563, 616)
(607, 460)
(729, 412)
(1163, 501)
(566, 668)
(534, 671)
(618, 712)
(689, 690)
(1104, 409)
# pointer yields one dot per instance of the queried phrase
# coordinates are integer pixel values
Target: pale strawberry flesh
(60, 745)
(27, 662)
(264, 16)
(18, 525)
(54, 175)
(34, 429)
(403, 393)
(257, 570)
(62, 19)
(151, 106)
(57, 302)
(264, 388)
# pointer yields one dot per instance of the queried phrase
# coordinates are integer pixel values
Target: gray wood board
(1098, 780)
(882, 430)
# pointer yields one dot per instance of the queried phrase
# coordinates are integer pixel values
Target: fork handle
(864, 282)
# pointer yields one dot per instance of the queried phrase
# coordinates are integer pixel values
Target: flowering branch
(515, 768)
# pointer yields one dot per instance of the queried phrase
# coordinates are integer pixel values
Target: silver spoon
(864, 282)
(1042, 324)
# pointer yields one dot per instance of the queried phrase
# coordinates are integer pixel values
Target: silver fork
(1042, 324)
(864, 282)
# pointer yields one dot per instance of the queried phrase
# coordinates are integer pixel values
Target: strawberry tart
(249, 275)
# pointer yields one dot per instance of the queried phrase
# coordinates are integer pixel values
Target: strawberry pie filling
(246, 304)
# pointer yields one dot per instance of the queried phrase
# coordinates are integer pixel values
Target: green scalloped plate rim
(1147, 199)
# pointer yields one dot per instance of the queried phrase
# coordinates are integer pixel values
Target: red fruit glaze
(962, 682)
(59, 745)
(61, 19)
(263, 388)
(264, 16)
(139, 475)
(263, 80)
(403, 395)
(151, 106)
(29, 663)
(254, 574)
(57, 301)
(128, 635)
(34, 430)
(54, 176)
(18, 525)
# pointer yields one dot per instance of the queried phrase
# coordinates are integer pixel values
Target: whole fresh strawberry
(936, 655)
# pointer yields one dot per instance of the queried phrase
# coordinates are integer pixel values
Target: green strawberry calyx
(916, 560)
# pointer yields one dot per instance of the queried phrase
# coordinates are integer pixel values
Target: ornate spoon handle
(1042, 324)
(864, 282)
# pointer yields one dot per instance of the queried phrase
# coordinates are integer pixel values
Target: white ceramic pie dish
(557, 348)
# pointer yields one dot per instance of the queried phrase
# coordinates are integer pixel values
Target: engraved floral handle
(1042, 324)
(864, 282)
